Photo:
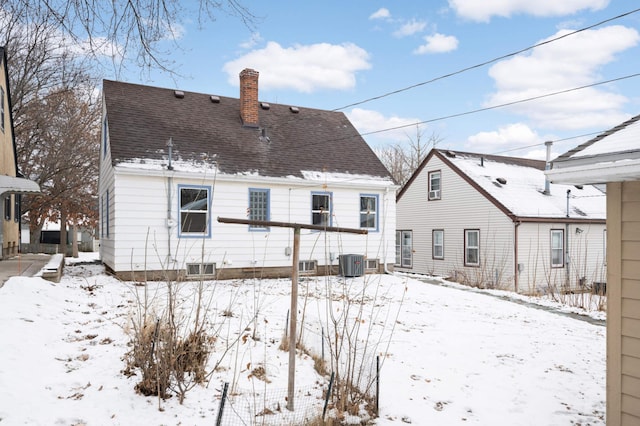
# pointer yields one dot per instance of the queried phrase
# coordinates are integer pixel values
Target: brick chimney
(249, 97)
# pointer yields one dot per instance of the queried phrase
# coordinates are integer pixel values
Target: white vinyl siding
(144, 239)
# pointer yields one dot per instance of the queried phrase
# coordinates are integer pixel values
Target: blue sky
(332, 54)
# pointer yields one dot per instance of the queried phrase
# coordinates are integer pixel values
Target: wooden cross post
(294, 283)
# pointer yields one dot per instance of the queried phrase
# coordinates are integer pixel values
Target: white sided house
(494, 221)
(173, 162)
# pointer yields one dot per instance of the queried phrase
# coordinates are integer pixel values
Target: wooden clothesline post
(294, 282)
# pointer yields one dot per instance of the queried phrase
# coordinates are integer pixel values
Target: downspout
(566, 232)
(384, 239)
(516, 275)
(169, 188)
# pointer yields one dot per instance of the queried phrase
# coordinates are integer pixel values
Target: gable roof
(288, 142)
(611, 156)
(520, 195)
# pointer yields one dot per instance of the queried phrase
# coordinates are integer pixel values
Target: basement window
(307, 267)
(371, 264)
(201, 269)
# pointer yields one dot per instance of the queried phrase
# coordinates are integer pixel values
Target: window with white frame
(557, 248)
(321, 208)
(200, 269)
(437, 251)
(434, 185)
(258, 207)
(472, 247)
(307, 266)
(369, 211)
(194, 210)
(398, 248)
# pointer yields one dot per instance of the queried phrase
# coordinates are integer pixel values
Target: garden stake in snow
(294, 282)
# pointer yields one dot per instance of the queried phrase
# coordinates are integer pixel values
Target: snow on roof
(523, 192)
(623, 140)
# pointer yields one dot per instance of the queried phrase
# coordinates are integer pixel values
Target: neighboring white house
(172, 162)
(613, 158)
(494, 221)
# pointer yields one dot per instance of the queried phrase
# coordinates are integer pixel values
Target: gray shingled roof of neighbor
(141, 119)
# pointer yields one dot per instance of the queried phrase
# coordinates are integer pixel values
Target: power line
(533, 98)
(508, 55)
(555, 140)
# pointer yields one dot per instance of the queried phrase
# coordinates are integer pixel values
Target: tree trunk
(74, 240)
(63, 233)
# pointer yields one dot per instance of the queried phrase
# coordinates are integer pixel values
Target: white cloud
(410, 27)
(382, 13)
(506, 137)
(366, 120)
(568, 63)
(484, 10)
(437, 43)
(252, 42)
(305, 68)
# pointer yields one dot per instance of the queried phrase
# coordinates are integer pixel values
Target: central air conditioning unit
(351, 265)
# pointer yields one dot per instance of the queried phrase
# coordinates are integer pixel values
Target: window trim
(433, 244)
(207, 233)
(467, 247)
(398, 260)
(437, 196)
(561, 248)
(328, 194)
(376, 197)
(256, 228)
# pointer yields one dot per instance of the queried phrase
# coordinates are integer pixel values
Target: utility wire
(497, 106)
(555, 140)
(508, 55)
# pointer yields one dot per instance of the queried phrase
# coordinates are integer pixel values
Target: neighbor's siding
(534, 252)
(461, 207)
(140, 225)
(623, 309)
(106, 183)
(10, 234)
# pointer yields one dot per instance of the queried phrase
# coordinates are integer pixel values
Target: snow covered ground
(449, 356)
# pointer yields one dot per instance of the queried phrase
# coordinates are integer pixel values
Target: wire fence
(268, 407)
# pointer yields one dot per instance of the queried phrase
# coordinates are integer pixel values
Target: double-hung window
(434, 185)
(438, 243)
(17, 207)
(321, 208)
(369, 212)
(557, 248)
(194, 205)
(258, 207)
(472, 247)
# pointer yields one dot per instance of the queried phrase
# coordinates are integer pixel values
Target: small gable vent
(178, 94)
(502, 181)
(294, 110)
(264, 105)
(215, 99)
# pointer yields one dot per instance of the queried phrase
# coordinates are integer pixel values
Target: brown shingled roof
(142, 118)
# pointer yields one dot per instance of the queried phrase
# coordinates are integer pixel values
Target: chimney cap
(249, 72)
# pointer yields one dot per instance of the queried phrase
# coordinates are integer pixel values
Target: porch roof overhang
(17, 185)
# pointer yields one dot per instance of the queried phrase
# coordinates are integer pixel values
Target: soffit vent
(178, 94)
(264, 105)
(294, 110)
(215, 99)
